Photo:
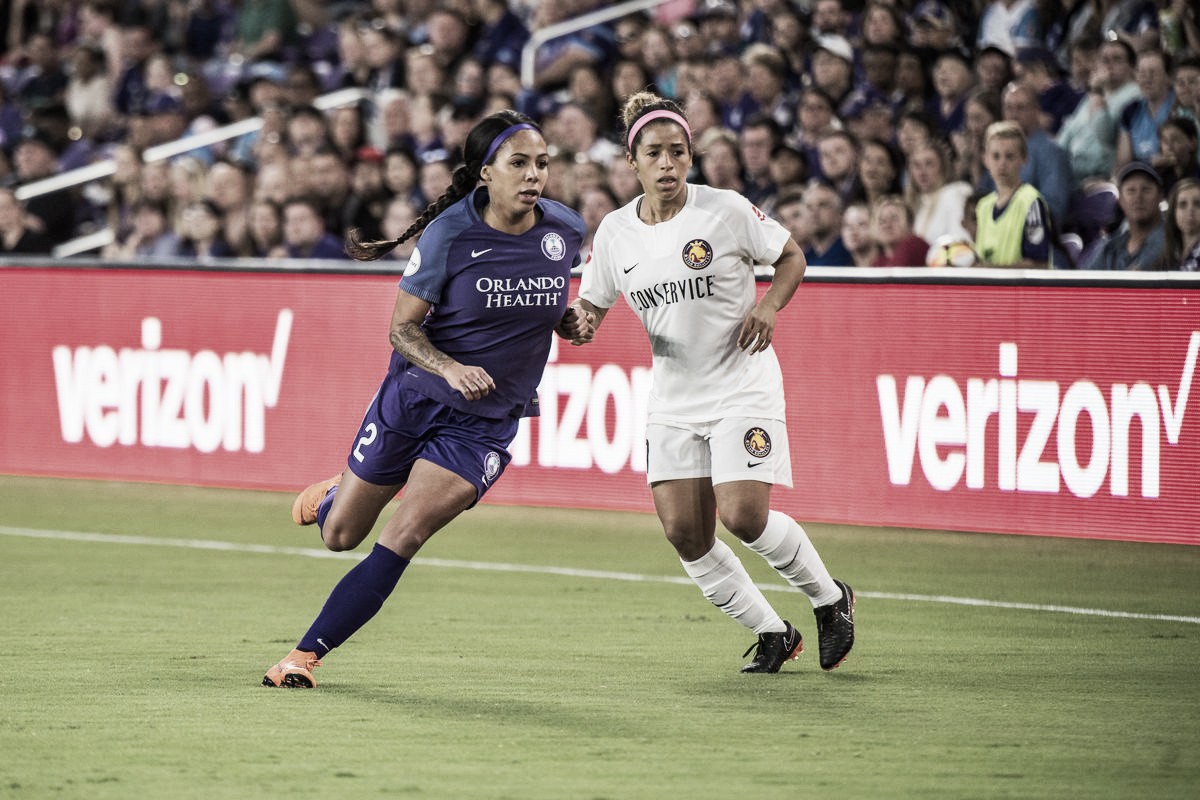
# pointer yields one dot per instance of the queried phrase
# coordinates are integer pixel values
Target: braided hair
(463, 181)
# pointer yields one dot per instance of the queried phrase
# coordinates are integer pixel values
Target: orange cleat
(294, 672)
(304, 510)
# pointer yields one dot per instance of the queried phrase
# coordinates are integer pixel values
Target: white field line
(571, 572)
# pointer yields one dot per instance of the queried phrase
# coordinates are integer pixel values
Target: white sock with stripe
(727, 585)
(787, 548)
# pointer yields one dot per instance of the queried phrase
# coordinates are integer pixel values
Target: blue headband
(504, 134)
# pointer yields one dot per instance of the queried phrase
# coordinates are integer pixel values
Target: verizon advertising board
(1047, 409)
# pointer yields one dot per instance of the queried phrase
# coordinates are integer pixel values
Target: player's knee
(339, 537)
(745, 522)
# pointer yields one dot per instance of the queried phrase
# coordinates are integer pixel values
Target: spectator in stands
(1178, 144)
(595, 203)
(1013, 225)
(788, 167)
(857, 236)
(44, 81)
(301, 85)
(230, 189)
(628, 76)
(933, 27)
(1141, 244)
(702, 112)
(328, 180)
(792, 213)
(721, 160)
(1187, 86)
(502, 34)
(1089, 134)
(623, 180)
(367, 202)
(200, 234)
(1182, 227)
(832, 68)
(758, 141)
(829, 17)
(265, 30)
(264, 230)
(912, 81)
(914, 128)
(766, 84)
(149, 237)
(1009, 25)
(1037, 69)
(53, 214)
(400, 173)
(891, 226)
(789, 36)
(952, 81)
(717, 21)
(657, 55)
(573, 129)
(837, 159)
(433, 177)
(385, 57)
(304, 232)
(878, 170)
(824, 206)
(882, 25)
(273, 182)
(590, 89)
(447, 31)
(88, 92)
(399, 215)
(15, 234)
(878, 62)
(556, 58)
(307, 131)
(348, 130)
(993, 68)
(816, 118)
(937, 201)
(727, 82)
(1137, 137)
(1047, 166)
(871, 117)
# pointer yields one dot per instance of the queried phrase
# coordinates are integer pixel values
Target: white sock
(727, 585)
(786, 547)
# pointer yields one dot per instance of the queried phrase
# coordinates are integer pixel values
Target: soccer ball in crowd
(951, 251)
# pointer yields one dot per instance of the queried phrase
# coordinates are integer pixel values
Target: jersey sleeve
(762, 238)
(427, 273)
(1035, 239)
(597, 283)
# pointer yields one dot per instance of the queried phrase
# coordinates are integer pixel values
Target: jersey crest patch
(491, 467)
(554, 247)
(757, 443)
(697, 254)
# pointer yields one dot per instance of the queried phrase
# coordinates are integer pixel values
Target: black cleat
(774, 649)
(835, 628)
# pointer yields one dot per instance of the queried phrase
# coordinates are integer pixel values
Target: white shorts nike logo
(478, 253)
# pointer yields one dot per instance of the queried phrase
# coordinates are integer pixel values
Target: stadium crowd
(861, 126)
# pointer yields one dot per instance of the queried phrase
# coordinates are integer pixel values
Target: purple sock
(356, 598)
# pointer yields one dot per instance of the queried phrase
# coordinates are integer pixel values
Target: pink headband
(662, 113)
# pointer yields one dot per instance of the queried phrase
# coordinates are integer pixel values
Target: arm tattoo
(411, 342)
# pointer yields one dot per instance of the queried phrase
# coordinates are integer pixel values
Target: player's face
(517, 175)
(1004, 159)
(662, 160)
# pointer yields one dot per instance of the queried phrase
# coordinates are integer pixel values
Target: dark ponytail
(463, 180)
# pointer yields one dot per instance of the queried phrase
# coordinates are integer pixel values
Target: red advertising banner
(1045, 408)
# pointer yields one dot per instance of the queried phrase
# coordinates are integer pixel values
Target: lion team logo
(697, 254)
(757, 442)
(491, 466)
(554, 247)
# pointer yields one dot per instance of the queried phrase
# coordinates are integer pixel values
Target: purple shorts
(402, 425)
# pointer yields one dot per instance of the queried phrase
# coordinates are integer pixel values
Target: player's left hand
(757, 330)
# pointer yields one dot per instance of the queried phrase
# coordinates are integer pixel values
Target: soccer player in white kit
(683, 256)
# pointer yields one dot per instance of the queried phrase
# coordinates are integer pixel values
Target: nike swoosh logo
(478, 253)
(628, 270)
(753, 464)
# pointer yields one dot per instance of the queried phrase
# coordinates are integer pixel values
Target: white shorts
(735, 449)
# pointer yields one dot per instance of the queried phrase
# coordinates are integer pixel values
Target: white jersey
(691, 282)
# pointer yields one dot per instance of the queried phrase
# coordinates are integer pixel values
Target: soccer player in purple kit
(470, 331)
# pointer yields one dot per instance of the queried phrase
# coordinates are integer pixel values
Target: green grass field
(520, 658)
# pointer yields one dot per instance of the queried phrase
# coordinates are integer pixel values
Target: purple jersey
(496, 298)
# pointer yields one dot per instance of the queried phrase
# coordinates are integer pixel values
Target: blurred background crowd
(859, 125)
